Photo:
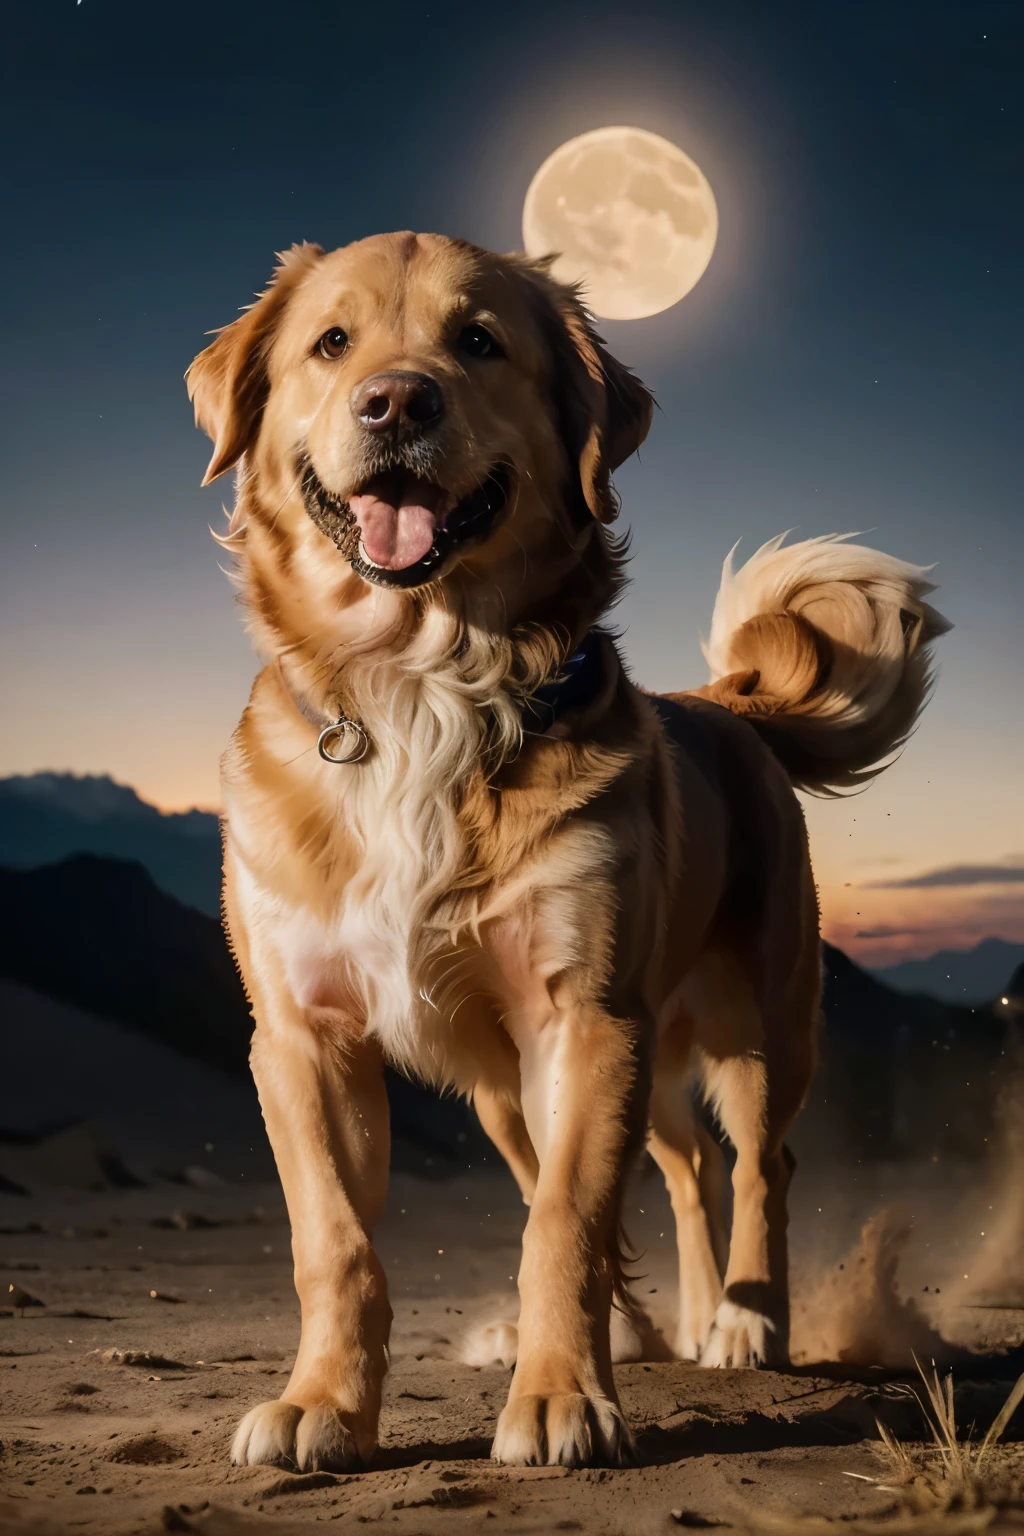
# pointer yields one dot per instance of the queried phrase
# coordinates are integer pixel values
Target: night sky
(852, 360)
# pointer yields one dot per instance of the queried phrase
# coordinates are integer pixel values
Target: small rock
(145, 1450)
(201, 1178)
(174, 1520)
(300, 1482)
(20, 1299)
(142, 1357)
(187, 1221)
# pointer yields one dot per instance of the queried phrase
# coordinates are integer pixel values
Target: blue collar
(576, 685)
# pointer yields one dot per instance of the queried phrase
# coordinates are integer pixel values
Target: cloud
(1011, 873)
(892, 933)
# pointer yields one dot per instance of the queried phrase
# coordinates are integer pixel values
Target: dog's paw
(688, 1346)
(694, 1330)
(742, 1337)
(305, 1439)
(491, 1344)
(627, 1330)
(568, 1430)
(634, 1337)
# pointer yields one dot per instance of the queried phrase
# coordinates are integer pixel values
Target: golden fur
(568, 925)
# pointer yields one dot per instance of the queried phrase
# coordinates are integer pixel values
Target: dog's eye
(476, 341)
(333, 342)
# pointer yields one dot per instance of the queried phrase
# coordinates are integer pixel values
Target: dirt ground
(199, 1278)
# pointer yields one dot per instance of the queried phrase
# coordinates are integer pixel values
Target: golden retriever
(458, 838)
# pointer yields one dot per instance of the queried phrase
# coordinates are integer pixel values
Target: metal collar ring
(343, 742)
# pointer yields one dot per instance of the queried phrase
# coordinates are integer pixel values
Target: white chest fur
(362, 953)
(362, 945)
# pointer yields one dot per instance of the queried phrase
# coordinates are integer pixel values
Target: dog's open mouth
(399, 529)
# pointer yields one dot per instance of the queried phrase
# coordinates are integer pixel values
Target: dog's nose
(397, 399)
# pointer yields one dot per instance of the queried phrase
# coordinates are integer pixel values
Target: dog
(458, 838)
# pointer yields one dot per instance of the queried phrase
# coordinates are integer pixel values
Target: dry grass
(955, 1473)
(941, 1488)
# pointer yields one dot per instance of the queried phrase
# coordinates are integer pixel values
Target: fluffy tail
(823, 646)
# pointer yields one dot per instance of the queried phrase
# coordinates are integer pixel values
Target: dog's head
(429, 405)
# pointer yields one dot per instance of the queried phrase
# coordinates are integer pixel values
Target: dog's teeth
(366, 559)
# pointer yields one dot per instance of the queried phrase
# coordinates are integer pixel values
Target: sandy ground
(143, 1447)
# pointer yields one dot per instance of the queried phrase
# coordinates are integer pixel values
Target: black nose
(398, 400)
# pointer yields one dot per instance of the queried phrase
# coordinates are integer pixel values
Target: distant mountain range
(45, 817)
(968, 976)
(903, 1073)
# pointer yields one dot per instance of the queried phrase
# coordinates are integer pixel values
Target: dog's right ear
(228, 382)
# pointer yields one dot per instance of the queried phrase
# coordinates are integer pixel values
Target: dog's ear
(228, 382)
(605, 410)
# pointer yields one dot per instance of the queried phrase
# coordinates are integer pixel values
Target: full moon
(630, 216)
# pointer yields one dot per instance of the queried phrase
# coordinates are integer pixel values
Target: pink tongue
(396, 533)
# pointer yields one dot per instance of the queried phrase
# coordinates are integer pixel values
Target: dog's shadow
(396, 1457)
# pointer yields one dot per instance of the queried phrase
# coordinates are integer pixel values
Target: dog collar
(344, 740)
(576, 685)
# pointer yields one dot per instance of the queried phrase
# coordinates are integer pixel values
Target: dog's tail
(823, 647)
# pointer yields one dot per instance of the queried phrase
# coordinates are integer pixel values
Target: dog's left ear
(228, 382)
(605, 410)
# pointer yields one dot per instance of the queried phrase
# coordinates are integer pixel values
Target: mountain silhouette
(968, 976)
(903, 1073)
(100, 934)
(45, 817)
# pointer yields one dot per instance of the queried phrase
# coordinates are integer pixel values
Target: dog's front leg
(322, 1093)
(583, 1099)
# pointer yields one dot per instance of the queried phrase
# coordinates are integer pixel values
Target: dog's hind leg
(751, 1325)
(633, 1335)
(714, 1193)
(693, 1168)
(505, 1125)
(757, 1062)
(497, 1342)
